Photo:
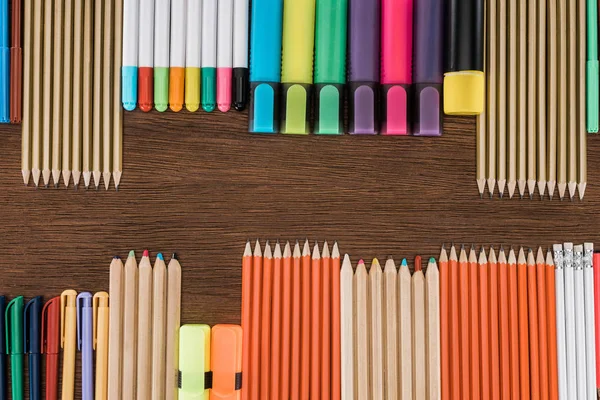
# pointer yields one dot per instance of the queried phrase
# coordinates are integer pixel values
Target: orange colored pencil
(306, 321)
(286, 318)
(276, 310)
(513, 325)
(336, 357)
(265, 344)
(474, 325)
(246, 315)
(542, 324)
(523, 324)
(296, 334)
(484, 325)
(257, 268)
(463, 282)
(445, 332)
(551, 321)
(504, 327)
(534, 349)
(326, 323)
(494, 328)
(315, 325)
(454, 323)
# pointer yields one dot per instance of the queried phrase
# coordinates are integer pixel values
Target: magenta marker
(428, 73)
(363, 66)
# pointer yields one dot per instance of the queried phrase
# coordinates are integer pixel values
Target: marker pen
(428, 68)
(129, 69)
(241, 86)
(224, 53)
(146, 58)
(193, 48)
(464, 87)
(209, 55)
(162, 32)
(592, 67)
(177, 67)
(396, 65)
(4, 63)
(330, 65)
(297, 64)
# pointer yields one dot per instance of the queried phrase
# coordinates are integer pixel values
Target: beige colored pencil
(502, 100)
(97, 96)
(36, 101)
(553, 93)
(107, 97)
(67, 92)
(173, 322)
(572, 101)
(47, 137)
(481, 152)
(492, 106)
(27, 66)
(144, 334)
(77, 133)
(346, 325)
(82, 158)
(159, 325)
(538, 71)
(528, 30)
(418, 334)
(390, 329)
(115, 339)
(525, 158)
(432, 332)
(57, 77)
(405, 381)
(376, 326)
(130, 322)
(512, 98)
(361, 332)
(117, 118)
(581, 128)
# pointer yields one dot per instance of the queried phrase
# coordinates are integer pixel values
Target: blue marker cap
(129, 76)
(264, 107)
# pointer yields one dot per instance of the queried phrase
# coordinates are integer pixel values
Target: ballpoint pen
(32, 329)
(14, 344)
(4, 63)
(100, 337)
(68, 341)
(85, 338)
(51, 345)
(592, 67)
(3, 383)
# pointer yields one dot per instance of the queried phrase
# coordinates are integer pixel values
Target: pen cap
(100, 301)
(427, 107)
(363, 108)
(14, 326)
(51, 326)
(32, 319)
(394, 109)
(464, 92)
(68, 298)
(264, 107)
(329, 108)
(194, 362)
(84, 300)
(2, 325)
(295, 110)
(226, 362)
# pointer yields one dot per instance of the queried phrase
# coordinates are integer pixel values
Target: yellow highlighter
(68, 341)
(101, 311)
(195, 378)
(297, 65)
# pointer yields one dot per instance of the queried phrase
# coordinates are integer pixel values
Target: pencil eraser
(192, 88)
(161, 88)
(592, 96)
(295, 100)
(362, 108)
(209, 89)
(394, 110)
(146, 91)
(226, 362)
(464, 92)
(129, 80)
(16, 84)
(264, 107)
(329, 110)
(224, 89)
(176, 88)
(427, 109)
(241, 88)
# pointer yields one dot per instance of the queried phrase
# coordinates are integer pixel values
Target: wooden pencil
(159, 321)
(77, 127)
(335, 324)
(57, 79)
(405, 389)
(130, 322)
(513, 325)
(512, 97)
(173, 322)
(361, 332)
(390, 330)
(445, 324)
(296, 331)
(523, 325)
(494, 326)
(502, 100)
(505, 391)
(455, 372)
(246, 316)
(67, 90)
(27, 90)
(528, 30)
(474, 315)
(432, 331)
(286, 322)
(306, 321)
(82, 151)
(47, 136)
(551, 321)
(526, 151)
(36, 101)
(573, 100)
(325, 323)
(463, 287)
(347, 306)
(581, 94)
(538, 72)
(418, 331)
(484, 325)
(144, 334)
(275, 324)
(265, 320)
(491, 111)
(115, 339)
(117, 117)
(481, 153)
(256, 323)
(375, 295)
(542, 324)
(97, 96)
(552, 113)
(534, 349)
(315, 324)
(107, 97)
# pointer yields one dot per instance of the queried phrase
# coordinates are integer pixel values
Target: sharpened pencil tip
(116, 257)
(431, 259)
(404, 263)
(160, 256)
(174, 256)
(132, 253)
(145, 254)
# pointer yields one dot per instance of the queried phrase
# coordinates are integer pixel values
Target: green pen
(592, 67)
(330, 65)
(14, 344)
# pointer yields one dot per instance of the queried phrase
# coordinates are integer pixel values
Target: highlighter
(330, 65)
(195, 378)
(428, 72)
(265, 65)
(396, 65)
(363, 66)
(4, 63)
(464, 86)
(226, 362)
(33, 344)
(297, 65)
(14, 344)
(592, 67)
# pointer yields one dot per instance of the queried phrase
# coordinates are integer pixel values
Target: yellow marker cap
(192, 89)
(194, 378)
(464, 92)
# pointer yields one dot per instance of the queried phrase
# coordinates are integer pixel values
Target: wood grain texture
(200, 185)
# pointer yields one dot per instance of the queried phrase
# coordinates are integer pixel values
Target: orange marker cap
(176, 88)
(226, 362)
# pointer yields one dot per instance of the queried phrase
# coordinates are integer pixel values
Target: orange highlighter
(226, 362)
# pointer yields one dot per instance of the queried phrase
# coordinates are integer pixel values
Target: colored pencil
(130, 323)
(57, 79)
(573, 101)
(315, 325)
(265, 319)
(505, 392)
(36, 99)
(325, 323)
(47, 135)
(97, 95)
(286, 310)
(474, 315)
(542, 324)
(559, 290)
(531, 74)
(445, 328)
(376, 365)
(432, 331)
(463, 287)
(404, 327)
(491, 55)
(390, 330)
(570, 335)
(361, 333)
(82, 156)
(581, 82)
(246, 315)
(418, 331)
(305, 355)
(513, 324)
(173, 322)
(512, 97)
(502, 117)
(534, 349)
(551, 320)
(578, 306)
(27, 90)
(115, 341)
(494, 326)
(347, 304)
(484, 325)
(255, 334)
(107, 96)
(552, 93)
(590, 344)
(117, 119)
(76, 130)
(159, 325)
(275, 323)
(523, 325)
(335, 323)
(296, 331)
(455, 375)
(144, 333)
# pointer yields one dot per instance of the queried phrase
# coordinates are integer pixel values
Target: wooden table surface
(200, 185)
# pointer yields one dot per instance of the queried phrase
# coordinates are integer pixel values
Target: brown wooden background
(200, 185)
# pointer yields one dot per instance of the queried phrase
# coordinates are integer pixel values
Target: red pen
(51, 345)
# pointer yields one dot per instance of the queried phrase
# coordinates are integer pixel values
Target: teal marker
(592, 67)
(330, 65)
(209, 56)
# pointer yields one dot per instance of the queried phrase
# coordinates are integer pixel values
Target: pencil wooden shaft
(107, 96)
(553, 93)
(581, 126)
(512, 94)
(573, 96)
(464, 316)
(173, 322)
(346, 328)
(481, 150)
(246, 318)
(117, 117)
(84, 156)
(504, 331)
(97, 88)
(36, 102)
(513, 312)
(326, 329)
(115, 341)
(130, 322)
(474, 315)
(390, 331)
(551, 320)
(534, 349)
(455, 372)
(265, 330)
(315, 331)
(296, 330)
(418, 335)
(305, 350)
(526, 140)
(445, 328)
(275, 326)
(491, 112)
(432, 332)
(376, 325)
(67, 86)
(159, 321)
(78, 62)
(361, 333)
(255, 335)
(27, 90)
(531, 87)
(523, 331)
(47, 137)
(484, 330)
(405, 389)
(537, 71)
(57, 78)
(494, 331)
(502, 100)
(542, 330)
(336, 377)
(286, 336)
(144, 338)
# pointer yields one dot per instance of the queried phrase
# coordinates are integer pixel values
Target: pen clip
(96, 304)
(26, 336)
(49, 303)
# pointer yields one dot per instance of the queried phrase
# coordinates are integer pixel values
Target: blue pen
(85, 338)
(32, 320)
(3, 382)
(4, 63)
(265, 65)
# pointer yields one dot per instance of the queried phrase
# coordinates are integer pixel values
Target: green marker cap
(161, 88)
(329, 109)
(295, 108)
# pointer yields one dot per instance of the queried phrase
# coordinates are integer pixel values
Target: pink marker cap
(395, 111)
(224, 88)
